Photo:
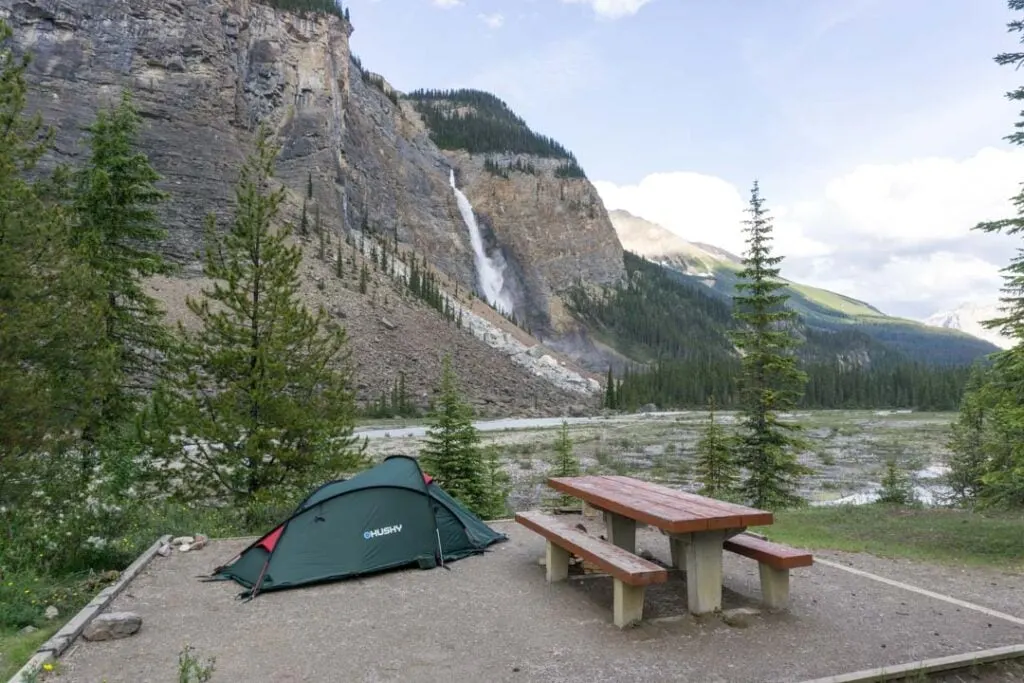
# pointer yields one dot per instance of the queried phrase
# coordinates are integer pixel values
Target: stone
(51, 612)
(740, 617)
(164, 550)
(112, 626)
(182, 540)
(388, 324)
(27, 631)
(200, 542)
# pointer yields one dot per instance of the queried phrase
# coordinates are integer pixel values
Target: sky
(874, 128)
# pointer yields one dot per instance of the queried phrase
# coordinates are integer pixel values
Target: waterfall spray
(490, 274)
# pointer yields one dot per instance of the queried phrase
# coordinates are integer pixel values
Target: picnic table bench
(629, 572)
(699, 529)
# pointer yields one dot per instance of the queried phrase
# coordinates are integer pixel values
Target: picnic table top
(673, 511)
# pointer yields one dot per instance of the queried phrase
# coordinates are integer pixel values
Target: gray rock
(740, 617)
(51, 612)
(28, 630)
(112, 625)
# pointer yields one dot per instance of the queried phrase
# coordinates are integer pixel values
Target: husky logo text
(383, 531)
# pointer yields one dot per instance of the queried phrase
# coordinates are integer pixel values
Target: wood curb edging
(926, 666)
(62, 639)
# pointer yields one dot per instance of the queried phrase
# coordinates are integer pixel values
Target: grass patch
(939, 535)
(17, 649)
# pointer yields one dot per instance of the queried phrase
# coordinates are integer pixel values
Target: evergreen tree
(969, 462)
(566, 463)
(896, 487)
(497, 485)
(609, 391)
(261, 399)
(452, 451)
(988, 461)
(716, 467)
(309, 185)
(770, 380)
(118, 232)
(54, 368)
(339, 264)
(304, 222)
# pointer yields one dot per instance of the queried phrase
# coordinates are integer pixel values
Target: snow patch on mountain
(968, 318)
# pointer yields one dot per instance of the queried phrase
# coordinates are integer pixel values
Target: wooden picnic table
(697, 526)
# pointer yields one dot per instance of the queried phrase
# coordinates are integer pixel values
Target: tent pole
(440, 550)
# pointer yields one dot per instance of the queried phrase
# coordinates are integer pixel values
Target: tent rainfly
(392, 515)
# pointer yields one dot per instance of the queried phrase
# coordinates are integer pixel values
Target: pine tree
(969, 462)
(452, 450)
(309, 186)
(566, 463)
(770, 380)
(496, 483)
(715, 464)
(54, 368)
(118, 232)
(896, 487)
(339, 264)
(609, 391)
(304, 222)
(994, 411)
(261, 399)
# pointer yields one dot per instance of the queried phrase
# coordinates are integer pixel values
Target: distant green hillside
(481, 123)
(827, 310)
(676, 329)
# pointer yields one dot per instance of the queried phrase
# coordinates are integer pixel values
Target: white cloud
(896, 235)
(612, 9)
(446, 4)
(703, 208)
(495, 20)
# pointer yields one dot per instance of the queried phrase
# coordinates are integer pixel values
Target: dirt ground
(493, 618)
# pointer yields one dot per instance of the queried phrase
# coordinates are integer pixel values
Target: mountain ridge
(821, 308)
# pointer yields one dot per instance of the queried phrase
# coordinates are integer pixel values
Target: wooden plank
(622, 564)
(751, 516)
(673, 511)
(920, 669)
(664, 517)
(691, 506)
(772, 554)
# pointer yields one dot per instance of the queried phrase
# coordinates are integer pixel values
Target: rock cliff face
(552, 231)
(206, 73)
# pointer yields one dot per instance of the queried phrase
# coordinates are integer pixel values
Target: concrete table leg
(557, 563)
(704, 572)
(774, 586)
(629, 604)
(621, 531)
(677, 546)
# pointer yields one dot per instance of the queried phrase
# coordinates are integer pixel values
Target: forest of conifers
(488, 127)
(681, 330)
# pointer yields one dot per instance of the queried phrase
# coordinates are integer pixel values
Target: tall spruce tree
(715, 464)
(988, 461)
(118, 232)
(53, 366)
(992, 412)
(452, 453)
(770, 380)
(262, 398)
(566, 464)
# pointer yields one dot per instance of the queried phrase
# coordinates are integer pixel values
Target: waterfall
(489, 273)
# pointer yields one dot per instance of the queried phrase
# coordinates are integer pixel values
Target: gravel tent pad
(492, 617)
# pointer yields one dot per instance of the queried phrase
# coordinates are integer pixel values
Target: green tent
(392, 515)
